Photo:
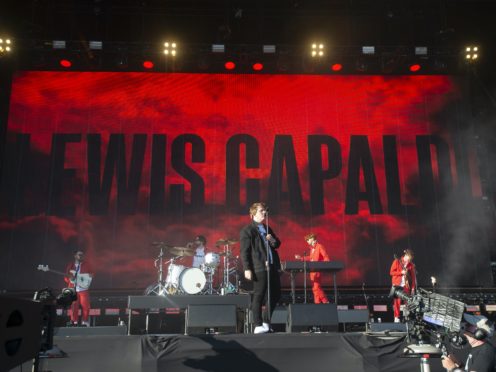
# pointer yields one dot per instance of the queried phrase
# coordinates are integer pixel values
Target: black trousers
(259, 297)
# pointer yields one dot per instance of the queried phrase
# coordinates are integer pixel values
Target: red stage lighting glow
(337, 67)
(415, 67)
(65, 63)
(257, 66)
(229, 65)
(148, 64)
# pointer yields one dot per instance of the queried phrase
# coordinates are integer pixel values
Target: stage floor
(298, 352)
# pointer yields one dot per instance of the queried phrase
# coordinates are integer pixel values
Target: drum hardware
(172, 283)
(227, 287)
(158, 288)
(212, 260)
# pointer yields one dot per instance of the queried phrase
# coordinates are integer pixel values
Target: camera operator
(478, 332)
(403, 275)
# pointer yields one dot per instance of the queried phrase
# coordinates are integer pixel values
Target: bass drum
(192, 281)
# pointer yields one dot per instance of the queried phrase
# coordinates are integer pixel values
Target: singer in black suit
(254, 239)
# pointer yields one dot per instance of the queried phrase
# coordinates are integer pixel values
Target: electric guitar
(81, 280)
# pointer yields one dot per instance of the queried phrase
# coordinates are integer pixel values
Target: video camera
(50, 303)
(431, 318)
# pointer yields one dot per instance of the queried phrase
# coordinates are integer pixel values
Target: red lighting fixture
(337, 67)
(65, 63)
(148, 64)
(257, 66)
(415, 67)
(229, 65)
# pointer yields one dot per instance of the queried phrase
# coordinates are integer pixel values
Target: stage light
(5, 46)
(420, 50)
(337, 67)
(368, 50)
(317, 50)
(65, 63)
(58, 44)
(170, 48)
(415, 67)
(229, 65)
(257, 66)
(148, 65)
(471, 53)
(96, 45)
(218, 48)
(269, 49)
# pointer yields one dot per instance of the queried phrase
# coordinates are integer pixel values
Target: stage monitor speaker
(202, 319)
(353, 320)
(280, 315)
(312, 317)
(91, 331)
(353, 316)
(387, 327)
(20, 331)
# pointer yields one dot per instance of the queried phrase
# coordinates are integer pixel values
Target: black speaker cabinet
(387, 327)
(305, 317)
(20, 331)
(201, 319)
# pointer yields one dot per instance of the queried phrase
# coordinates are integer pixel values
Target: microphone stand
(267, 267)
(304, 277)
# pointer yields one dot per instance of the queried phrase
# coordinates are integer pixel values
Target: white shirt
(199, 257)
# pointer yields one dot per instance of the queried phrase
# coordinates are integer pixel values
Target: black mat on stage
(278, 352)
(237, 352)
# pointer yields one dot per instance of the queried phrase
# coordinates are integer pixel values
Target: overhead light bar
(420, 50)
(269, 49)
(368, 50)
(218, 48)
(58, 44)
(96, 45)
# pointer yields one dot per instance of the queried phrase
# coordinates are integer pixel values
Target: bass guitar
(81, 280)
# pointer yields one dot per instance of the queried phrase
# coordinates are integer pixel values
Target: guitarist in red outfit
(403, 275)
(73, 270)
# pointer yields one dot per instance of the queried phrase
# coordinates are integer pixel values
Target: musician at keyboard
(75, 271)
(317, 253)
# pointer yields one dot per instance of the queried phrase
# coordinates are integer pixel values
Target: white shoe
(397, 320)
(85, 324)
(260, 329)
(266, 326)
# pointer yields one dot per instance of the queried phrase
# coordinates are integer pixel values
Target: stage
(342, 352)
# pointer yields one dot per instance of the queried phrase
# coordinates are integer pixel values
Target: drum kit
(181, 279)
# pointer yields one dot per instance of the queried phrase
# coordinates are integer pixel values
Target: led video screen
(110, 162)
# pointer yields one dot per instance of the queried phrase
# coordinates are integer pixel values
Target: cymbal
(225, 241)
(227, 254)
(160, 244)
(181, 251)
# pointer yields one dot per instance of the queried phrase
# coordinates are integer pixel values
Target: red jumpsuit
(317, 253)
(83, 295)
(408, 281)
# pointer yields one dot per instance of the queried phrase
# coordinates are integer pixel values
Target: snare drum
(212, 259)
(192, 281)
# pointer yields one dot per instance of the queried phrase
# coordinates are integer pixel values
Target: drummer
(199, 244)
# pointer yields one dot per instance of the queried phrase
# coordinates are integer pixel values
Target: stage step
(90, 331)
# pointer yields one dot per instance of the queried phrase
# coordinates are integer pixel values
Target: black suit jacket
(253, 250)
